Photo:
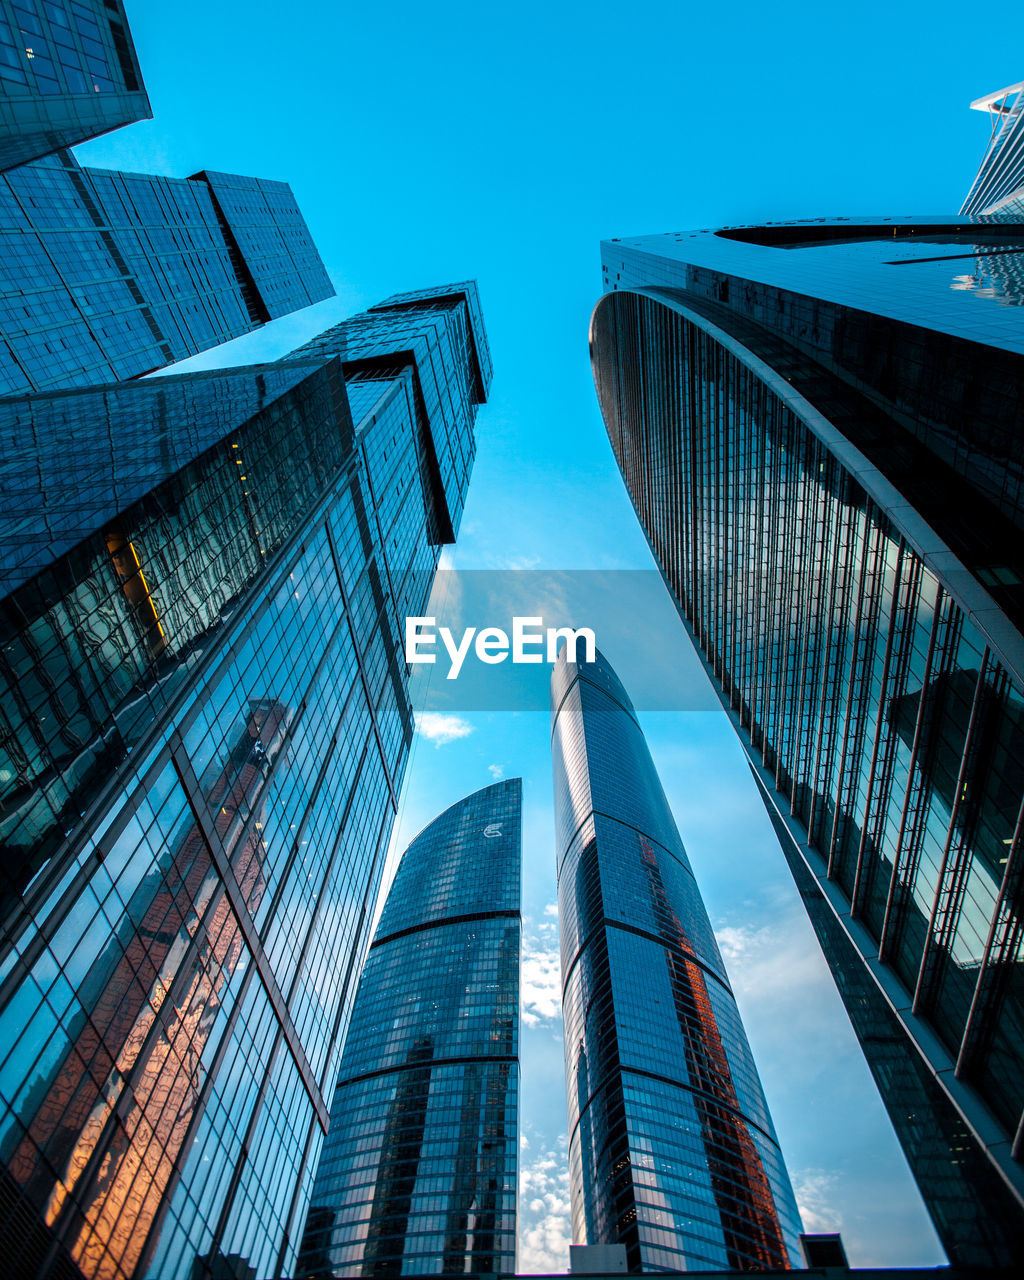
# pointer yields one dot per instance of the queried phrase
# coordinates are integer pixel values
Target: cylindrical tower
(418, 1172)
(672, 1151)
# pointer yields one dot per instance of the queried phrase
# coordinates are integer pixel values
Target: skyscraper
(107, 276)
(205, 722)
(998, 186)
(68, 72)
(821, 427)
(672, 1151)
(418, 1173)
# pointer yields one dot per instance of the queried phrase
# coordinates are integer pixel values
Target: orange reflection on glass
(750, 1220)
(116, 1116)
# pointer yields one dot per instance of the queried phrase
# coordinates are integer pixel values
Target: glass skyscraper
(821, 426)
(107, 276)
(204, 723)
(68, 72)
(998, 186)
(672, 1151)
(418, 1172)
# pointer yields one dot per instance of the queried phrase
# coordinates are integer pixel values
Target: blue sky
(433, 143)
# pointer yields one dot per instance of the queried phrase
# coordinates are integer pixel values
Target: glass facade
(672, 1152)
(106, 276)
(418, 1172)
(998, 186)
(834, 499)
(204, 722)
(68, 72)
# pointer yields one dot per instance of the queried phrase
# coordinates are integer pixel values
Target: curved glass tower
(821, 428)
(418, 1173)
(672, 1151)
(998, 186)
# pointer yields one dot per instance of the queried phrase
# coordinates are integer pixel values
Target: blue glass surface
(822, 441)
(672, 1152)
(418, 1172)
(205, 723)
(68, 72)
(107, 275)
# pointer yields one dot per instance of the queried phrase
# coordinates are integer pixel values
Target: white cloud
(814, 1189)
(551, 909)
(441, 728)
(540, 983)
(545, 1222)
(496, 771)
(740, 942)
(767, 962)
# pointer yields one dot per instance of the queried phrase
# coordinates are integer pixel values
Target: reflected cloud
(540, 982)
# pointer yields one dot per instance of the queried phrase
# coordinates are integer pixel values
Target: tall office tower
(204, 722)
(821, 426)
(418, 1173)
(108, 275)
(672, 1151)
(68, 72)
(998, 186)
